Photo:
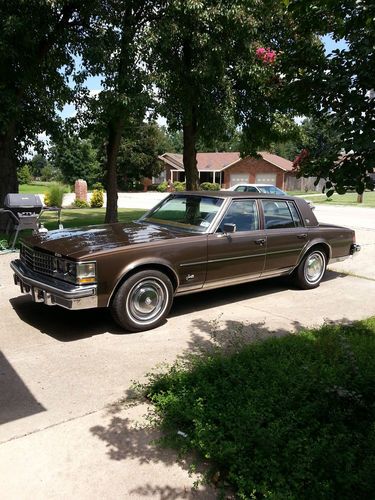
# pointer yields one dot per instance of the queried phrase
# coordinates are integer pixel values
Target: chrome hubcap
(314, 267)
(147, 300)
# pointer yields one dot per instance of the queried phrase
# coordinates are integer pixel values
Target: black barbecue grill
(24, 211)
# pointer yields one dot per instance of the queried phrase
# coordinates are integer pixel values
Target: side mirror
(230, 228)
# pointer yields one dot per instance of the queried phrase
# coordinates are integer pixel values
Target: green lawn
(345, 199)
(300, 193)
(79, 217)
(38, 187)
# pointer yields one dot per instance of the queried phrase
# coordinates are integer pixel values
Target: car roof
(232, 194)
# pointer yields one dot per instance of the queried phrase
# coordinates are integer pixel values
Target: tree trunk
(115, 132)
(360, 198)
(8, 169)
(190, 153)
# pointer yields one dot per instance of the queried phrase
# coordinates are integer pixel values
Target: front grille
(40, 262)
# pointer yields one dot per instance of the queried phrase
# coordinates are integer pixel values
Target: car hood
(85, 241)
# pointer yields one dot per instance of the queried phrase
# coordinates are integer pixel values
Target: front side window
(280, 214)
(194, 213)
(242, 213)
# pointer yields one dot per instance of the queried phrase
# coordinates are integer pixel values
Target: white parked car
(262, 188)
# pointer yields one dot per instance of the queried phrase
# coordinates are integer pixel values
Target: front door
(240, 255)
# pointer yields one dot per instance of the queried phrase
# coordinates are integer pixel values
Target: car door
(285, 234)
(240, 255)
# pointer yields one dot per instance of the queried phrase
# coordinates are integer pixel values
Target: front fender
(147, 262)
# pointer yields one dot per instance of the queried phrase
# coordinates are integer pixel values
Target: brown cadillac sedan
(189, 242)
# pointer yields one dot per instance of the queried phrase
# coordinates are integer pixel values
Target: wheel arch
(154, 266)
(314, 245)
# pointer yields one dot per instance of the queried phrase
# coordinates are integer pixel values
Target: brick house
(228, 169)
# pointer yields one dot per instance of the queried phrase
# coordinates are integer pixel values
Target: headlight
(79, 273)
(85, 272)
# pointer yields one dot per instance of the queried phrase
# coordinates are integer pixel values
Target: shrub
(55, 195)
(80, 203)
(210, 186)
(162, 187)
(24, 175)
(289, 417)
(97, 198)
(179, 186)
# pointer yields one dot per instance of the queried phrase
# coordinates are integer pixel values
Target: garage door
(239, 179)
(265, 179)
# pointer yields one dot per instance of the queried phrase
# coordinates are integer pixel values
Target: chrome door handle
(261, 241)
(302, 236)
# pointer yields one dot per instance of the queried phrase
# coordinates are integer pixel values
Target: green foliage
(179, 186)
(80, 203)
(343, 99)
(285, 418)
(49, 173)
(97, 198)
(138, 154)
(37, 163)
(210, 186)
(55, 195)
(24, 175)
(162, 187)
(38, 43)
(76, 159)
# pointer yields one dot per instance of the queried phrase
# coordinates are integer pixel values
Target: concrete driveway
(61, 372)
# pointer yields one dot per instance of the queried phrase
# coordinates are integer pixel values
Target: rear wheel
(142, 301)
(310, 272)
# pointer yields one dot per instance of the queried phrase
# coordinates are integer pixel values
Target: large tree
(37, 40)
(211, 74)
(346, 102)
(113, 51)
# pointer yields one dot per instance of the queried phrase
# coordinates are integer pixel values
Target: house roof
(215, 162)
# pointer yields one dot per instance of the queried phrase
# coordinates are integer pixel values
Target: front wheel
(142, 301)
(310, 272)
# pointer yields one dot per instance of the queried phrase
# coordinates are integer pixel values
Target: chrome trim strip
(188, 264)
(286, 251)
(241, 257)
(236, 258)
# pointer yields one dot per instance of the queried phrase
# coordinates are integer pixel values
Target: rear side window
(280, 214)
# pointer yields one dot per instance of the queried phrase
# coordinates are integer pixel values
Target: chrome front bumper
(51, 291)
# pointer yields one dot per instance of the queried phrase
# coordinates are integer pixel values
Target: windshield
(270, 190)
(194, 213)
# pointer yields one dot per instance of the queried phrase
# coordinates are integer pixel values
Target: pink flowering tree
(267, 56)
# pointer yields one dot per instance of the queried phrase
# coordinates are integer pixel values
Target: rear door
(238, 256)
(285, 234)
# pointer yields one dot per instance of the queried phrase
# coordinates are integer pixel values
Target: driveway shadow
(69, 326)
(16, 401)
(236, 293)
(125, 439)
(63, 325)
